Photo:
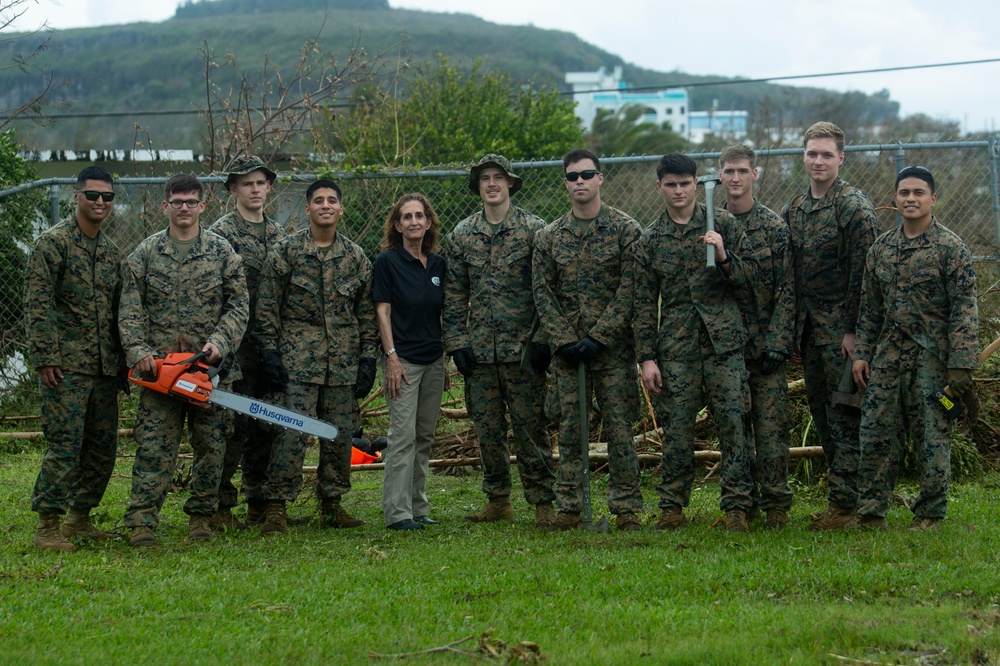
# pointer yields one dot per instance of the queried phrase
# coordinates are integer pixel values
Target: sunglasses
(572, 176)
(93, 195)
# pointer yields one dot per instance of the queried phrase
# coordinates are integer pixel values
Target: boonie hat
(499, 161)
(247, 163)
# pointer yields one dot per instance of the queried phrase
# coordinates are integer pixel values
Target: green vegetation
(700, 596)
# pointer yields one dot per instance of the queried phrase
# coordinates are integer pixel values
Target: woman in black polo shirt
(408, 291)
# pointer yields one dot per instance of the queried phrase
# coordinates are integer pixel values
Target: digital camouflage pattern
(172, 305)
(315, 307)
(333, 404)
(249, 445)
(830, 239)
(489, 307)
(71, 306)
(769, 319)
(687, 319)
(583, 283)
(918, 317)
(169, 305)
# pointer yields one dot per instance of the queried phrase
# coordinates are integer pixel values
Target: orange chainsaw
(191, 379)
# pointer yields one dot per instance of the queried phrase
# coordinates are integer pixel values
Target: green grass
(699, 596)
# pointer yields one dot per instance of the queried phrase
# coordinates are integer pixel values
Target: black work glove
(959, 381)
(124, 385)
(569, 352)
(366, 378)
(541, 356)
(770, 361)
(273, 375)
(589, 348)
(465, 361)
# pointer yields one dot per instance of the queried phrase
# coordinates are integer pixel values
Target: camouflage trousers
(249, 448)
(494, 389)
(614, 385)
(898, 403)
(724, 379)
(334, 404)
(159, 425)
(80, 423)
(769, 418)
(837, 429)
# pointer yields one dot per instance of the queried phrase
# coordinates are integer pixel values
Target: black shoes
(406, 524)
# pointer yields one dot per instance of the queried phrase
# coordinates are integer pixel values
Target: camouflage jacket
(769, 309)
(672, 278)
(71, 302)
(316, 309)
(170, 305)
(253, 249)
(830, 238)
(488, 302)
(583, 281)
(923, 288)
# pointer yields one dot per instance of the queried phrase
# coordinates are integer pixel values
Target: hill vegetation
(139, 68)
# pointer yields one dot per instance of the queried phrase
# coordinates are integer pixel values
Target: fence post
(994, 194)
(900, 165)
(53, 205)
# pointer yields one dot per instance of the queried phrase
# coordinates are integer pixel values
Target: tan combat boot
(255, 513)
(834, 518)
(671, 519)
(628, 522)
(48, 536)
(736, 521)
(498, 508)
(545, 515)
(335, 516)
(200, 528)
(142, 537)
(924, 524)
(78, 523)
(275, 518)
(860, 522)
(223, 520)
(564, 522)
(776, 519)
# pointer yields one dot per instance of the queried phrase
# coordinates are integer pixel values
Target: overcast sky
(752, 39)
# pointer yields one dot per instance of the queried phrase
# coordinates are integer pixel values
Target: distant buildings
(594, 91)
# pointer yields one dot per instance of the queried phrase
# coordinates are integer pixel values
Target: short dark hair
(578, 154)
(323, 183)
(183, 182)
(916, 171)
(676, 164)
(94, 173)
(737, 152)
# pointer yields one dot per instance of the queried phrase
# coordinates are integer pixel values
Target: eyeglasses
(177, 204)
(572, 176)
(93, 195)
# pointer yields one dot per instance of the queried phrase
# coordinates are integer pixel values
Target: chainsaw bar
(273, 414)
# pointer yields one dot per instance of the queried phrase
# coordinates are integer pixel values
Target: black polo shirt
(416, 295)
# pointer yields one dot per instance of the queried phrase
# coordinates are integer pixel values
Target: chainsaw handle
(197, 357)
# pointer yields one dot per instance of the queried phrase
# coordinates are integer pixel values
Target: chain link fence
(965, 173)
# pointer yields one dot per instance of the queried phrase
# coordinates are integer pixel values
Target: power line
(659, 86)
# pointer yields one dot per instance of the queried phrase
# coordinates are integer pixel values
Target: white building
(600, 90)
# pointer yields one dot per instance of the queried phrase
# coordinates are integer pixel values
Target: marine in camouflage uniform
(251, 232)
(71, 304)
(315, 310)
(830, 236)
(184, 291)
(769, 319)
(583, 272)
(487, 320)
(696, 342)
(917, 332)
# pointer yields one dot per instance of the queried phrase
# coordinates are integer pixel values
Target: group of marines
(583, 299)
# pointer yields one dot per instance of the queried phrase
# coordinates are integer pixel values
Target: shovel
(586, 515)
